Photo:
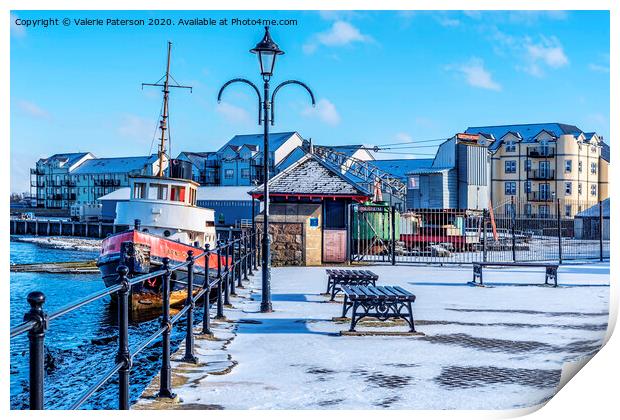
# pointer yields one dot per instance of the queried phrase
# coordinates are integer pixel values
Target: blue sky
(379, 78)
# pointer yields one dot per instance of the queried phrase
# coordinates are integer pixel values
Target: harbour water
(81, 345)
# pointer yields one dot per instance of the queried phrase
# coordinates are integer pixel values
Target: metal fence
(236, 258)
(556, 230)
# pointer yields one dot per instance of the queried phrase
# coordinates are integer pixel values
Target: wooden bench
(381, 302)
(551, 270)
(338, 278)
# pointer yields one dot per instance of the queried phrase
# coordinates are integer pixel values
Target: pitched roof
(401, 167)
(351, 149)
(198, 158)
(594, 210)
(526, 131)
(67, 158)
(115, 165)
(296, 154)
(275, 140)
(311, 176)
(605, 152)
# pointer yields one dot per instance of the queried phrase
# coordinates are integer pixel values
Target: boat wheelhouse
(166, 207)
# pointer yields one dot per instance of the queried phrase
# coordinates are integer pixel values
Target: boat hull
(143, 253)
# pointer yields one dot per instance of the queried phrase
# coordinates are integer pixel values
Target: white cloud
(549, 51)
(448, 21)
(530, 55)
(404, 137)
(33, 110)
(137, 128)
(599, 68)
(17, 30)
(233, 113)
(325, 111)
(476, 75)
(340, 34)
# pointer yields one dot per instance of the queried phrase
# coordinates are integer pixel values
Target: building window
(593, 149)
(510, 166)
(593, 189)
(139, 190)
(245, 173)
(593, 168)
(527, 209)
(580, 147)
(543, 210)
(528, 187)
(510, 188)
(528, 165)
(229, 173)
(568, 210)
(568, 166)
(569, 188)
(579, 189)
(511, 146)
(580, 167)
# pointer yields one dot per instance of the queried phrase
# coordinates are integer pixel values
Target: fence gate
(371, 233)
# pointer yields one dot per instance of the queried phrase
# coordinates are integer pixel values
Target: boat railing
(237, 258)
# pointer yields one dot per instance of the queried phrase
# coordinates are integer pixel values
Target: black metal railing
(236, 260)
(541, 174)
(540, 196)
(541, 152)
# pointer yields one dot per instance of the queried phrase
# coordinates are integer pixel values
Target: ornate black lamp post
(267, 52)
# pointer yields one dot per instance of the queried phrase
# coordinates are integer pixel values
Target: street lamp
(267, 52)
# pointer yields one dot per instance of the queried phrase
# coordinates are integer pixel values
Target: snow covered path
(495, 347)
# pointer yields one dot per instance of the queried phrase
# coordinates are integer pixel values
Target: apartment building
(65, 179)
(536, 164)
(239, 162)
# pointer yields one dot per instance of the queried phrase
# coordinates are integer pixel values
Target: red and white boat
(166, 223)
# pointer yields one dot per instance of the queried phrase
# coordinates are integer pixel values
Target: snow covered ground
(495, 347)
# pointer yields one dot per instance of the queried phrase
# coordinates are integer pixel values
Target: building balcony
(36, 172)
(537, 174)
(541, 152)
(107, 182)
(540, 196)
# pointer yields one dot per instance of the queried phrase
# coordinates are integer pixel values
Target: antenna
(163, 124)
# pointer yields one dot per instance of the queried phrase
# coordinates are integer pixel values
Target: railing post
(226, 284)
(255, 248)
(206, 317)
(485, 214)
(600, 224)
(250, 252)
(189, 333)
(36, 339)
(240, 260)
(393, 228)
(165, 373)
(233, 268)
(220, 309)
(559, 219)
(123, 354)
(246, 255)
(513, 216)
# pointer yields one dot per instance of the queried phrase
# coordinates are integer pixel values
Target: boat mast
(163, 124)
(164, 116)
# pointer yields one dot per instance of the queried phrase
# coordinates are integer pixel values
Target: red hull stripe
(160, 247)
